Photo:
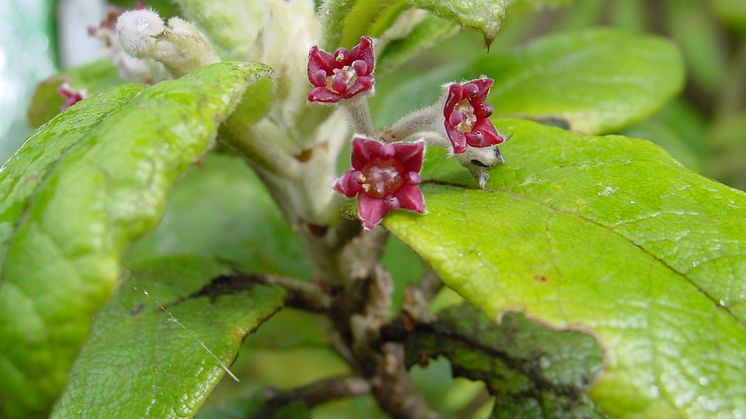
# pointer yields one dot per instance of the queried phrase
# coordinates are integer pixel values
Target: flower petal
(348, 184)
(458, 140)
(370, 210)
(410, 197)
(320, 94)
(319, 60)
(410, 155)
(362, 84)
(484, 86)
(364, 51)
(361, 153)
(484, 134)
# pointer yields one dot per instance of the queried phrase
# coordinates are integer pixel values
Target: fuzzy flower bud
(130, 68)
(384, 177)
(179, 45)
(343, 74)
(466, 115)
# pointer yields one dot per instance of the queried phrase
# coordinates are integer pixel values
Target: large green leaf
(86, 184)
(93, 78)
(595, 81)
(424, 35)
(161, 344)
(483, 16)
(345, 21)
(610, 236)
(533, 371)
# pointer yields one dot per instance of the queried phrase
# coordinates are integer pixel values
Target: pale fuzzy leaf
(481, 15)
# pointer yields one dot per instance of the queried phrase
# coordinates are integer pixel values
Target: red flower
(467, 116)
(342, 75)
(384, 177)
(71, 96)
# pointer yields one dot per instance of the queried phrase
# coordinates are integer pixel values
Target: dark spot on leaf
(137, 309)
(226, 284)
(540, 278)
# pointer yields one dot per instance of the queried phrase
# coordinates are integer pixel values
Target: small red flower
(341, 75)
(467, 116)
(384, 177)
(71, 96)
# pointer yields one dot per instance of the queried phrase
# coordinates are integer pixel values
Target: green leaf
(248, 230)
(85, 185)
(345, 21)
(608, 236)
(425, 34)
(483, 16)
(533, 371)
(233, 25)
(659, 132)
(595, 81)
(157, 347)
(93, 78)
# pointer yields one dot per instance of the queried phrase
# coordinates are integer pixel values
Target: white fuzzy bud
(179, 46)
(137, 30)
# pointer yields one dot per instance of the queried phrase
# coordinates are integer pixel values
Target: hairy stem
(359, 114)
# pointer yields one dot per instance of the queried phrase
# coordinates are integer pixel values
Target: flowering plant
(276, 167)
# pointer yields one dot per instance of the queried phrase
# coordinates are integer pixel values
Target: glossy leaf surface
(594, 81)
(84, 186)
(157, 347)
(608, 236)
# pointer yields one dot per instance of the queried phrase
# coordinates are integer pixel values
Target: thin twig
(314, 394)
(303, 295)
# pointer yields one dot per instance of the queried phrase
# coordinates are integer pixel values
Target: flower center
(382, 178)
(465, 108)
(342, 79)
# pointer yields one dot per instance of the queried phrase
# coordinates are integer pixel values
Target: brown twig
(314, 394)
(303, 295)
